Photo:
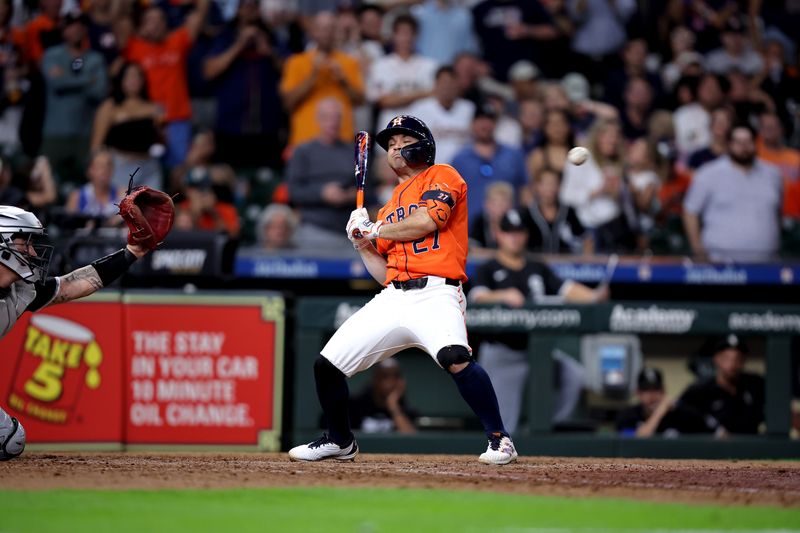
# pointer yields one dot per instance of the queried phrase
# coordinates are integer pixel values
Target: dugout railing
(431, 390)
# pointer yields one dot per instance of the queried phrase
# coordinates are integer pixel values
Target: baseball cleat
(324, 448)
(501, 450)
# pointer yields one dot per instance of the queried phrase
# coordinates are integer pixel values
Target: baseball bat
(362, 164)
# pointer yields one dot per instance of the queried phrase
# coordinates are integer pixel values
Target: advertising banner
(203, 370)
(61, 370)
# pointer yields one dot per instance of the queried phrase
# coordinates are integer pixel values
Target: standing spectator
(682, 52)
(736, 52)
(721, 124)
(381, 406)
(634, 65)
(553, 228)
(507, 130)
(447, 116)
(747, 100)
(401, 78)
(599, 32)
(320, 179)
(733, 400)
(597, 192)
(469, 70)
(484, 161)
(644, 181)
(163, 55)
(498, 201)
(509, 30)
(42, 31)
(531, 118)
(128, 124)
(445, 30)
(780, 79)
(637, 106)
(523, 76)
(98, 198)
(319, 73)
(276, 227)
(656, 413)
(15, 83)
(104, 16)
(693, 119)
(557, 140)
(771, 147)
(511, 279)
(244, 67)
(732, 210)
(360, 41)
(75, 83)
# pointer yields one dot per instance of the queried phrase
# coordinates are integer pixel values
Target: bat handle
(359, 198)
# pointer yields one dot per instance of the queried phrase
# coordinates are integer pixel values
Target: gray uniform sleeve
(13, 303)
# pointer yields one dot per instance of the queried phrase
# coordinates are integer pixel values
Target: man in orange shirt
(771, 148)
(317, 74)
(420, 257)
(163, 57)
(42, 31)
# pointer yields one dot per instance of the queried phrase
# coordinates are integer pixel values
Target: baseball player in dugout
(417, 249)
(24, 260)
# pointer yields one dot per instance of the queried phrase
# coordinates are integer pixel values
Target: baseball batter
(25, 286)
(418, 250)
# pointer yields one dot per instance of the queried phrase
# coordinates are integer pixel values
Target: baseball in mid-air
(578, 155)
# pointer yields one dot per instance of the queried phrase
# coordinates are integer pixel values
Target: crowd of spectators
(689, 109)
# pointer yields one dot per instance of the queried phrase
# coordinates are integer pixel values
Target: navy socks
(334, 396)
(476, 388)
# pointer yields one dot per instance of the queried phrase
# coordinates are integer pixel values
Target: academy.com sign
(767, 321)
(651, 319)
(497, 317)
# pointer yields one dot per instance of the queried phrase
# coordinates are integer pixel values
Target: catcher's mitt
(149, 214)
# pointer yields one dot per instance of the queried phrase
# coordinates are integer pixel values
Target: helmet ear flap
(422, 152)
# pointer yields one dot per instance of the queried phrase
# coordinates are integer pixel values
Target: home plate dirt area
(775, 483)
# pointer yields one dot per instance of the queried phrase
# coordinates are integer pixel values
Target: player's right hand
(358, 240)
(358, 213)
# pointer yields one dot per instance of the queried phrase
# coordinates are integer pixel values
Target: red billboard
(148, 370)
(201, 373)
(61, 370)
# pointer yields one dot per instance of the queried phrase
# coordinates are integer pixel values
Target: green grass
(361, 511)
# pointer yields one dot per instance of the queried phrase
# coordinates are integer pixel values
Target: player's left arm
(86, 280)
(433, 211)
(418, 224)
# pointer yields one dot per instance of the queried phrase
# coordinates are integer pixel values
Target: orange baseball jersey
(443, 252)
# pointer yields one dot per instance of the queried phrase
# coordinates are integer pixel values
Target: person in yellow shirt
(318, 73)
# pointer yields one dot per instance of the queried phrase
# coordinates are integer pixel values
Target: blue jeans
(179, 137)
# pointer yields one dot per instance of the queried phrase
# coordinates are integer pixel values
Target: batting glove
(365, 228)
(356, 238)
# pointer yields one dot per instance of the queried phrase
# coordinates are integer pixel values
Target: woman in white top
(596, 189)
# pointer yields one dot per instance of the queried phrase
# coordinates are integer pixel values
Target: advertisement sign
(203, 370)
(61, 372)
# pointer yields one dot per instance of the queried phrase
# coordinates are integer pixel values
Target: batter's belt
(421, 283)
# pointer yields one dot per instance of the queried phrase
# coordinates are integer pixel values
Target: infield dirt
(772, 483)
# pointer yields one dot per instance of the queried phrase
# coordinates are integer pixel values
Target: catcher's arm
(84, 281)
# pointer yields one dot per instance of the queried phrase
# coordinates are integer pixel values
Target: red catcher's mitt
(149, 214)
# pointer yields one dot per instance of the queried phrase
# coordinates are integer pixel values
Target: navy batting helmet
(421, 152)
